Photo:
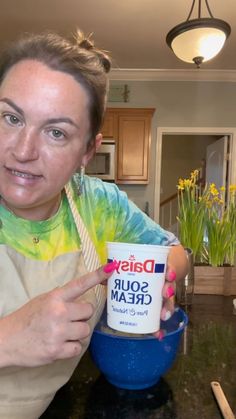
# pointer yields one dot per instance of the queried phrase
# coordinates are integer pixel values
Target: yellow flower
(217, 200)
(205, 211)
(180, 185)
(187, 183)
(213, 189)
(194, 175)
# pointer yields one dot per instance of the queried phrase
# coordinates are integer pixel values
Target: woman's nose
(26, 146)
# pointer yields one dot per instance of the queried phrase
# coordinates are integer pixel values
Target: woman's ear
(98, 141)
(92, 149)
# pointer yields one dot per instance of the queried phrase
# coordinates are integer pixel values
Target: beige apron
(26, 392)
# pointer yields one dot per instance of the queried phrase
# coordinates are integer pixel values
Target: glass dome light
(198, 40)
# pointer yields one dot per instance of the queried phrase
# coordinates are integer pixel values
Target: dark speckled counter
(207, 353)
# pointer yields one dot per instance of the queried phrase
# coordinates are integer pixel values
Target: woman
(54, 222)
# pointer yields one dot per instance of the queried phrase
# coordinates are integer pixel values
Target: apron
(25, 393)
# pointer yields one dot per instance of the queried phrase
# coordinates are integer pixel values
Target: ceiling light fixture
(198, 40)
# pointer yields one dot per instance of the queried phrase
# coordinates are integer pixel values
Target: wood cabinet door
(133, 148)
(131, 130)
(109, 128)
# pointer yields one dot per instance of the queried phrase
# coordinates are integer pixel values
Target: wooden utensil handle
(222, 401)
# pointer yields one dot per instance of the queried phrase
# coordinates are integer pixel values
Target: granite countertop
(207, 353)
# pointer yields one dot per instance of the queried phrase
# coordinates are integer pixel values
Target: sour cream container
(134, 291)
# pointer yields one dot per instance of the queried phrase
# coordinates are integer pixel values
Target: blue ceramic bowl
(136, 362)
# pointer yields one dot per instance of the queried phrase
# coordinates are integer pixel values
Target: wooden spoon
(222, 401)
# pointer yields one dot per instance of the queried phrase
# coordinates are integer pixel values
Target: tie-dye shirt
(107, 213)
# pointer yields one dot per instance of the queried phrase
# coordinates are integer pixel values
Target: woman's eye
(57, 134)
(12, 119)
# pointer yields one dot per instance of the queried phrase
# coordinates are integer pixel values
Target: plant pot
(215, 280)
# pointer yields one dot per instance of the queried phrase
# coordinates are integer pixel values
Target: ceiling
(133, 31)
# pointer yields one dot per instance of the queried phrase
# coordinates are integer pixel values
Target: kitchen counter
(207, 353)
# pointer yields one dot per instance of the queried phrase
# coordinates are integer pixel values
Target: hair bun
(86, 43)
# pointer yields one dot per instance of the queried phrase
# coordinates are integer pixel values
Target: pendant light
(198, 40)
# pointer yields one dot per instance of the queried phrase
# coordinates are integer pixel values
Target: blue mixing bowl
(136, 362)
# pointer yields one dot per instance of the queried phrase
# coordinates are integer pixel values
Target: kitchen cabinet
(109, 128)
(131, 129)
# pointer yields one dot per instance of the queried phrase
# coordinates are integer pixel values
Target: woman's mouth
(24, 174)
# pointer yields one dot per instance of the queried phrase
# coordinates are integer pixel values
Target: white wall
(191, 104)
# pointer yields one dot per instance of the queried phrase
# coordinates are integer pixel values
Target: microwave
(102, 165)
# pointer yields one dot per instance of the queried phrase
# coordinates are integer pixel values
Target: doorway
(201, 138)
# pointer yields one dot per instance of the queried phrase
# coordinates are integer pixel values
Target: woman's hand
(168, 294)
(177, 268)
(51, 326)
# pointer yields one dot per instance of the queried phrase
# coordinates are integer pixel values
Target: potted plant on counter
(207, 225)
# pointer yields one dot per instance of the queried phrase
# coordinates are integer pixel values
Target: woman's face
(44, 129)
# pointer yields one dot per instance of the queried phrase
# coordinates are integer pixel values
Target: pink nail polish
(160, 335)
(110, 267)
(172, 276)
(170, 292)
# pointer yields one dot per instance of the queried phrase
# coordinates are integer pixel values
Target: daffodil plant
(207, 221)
